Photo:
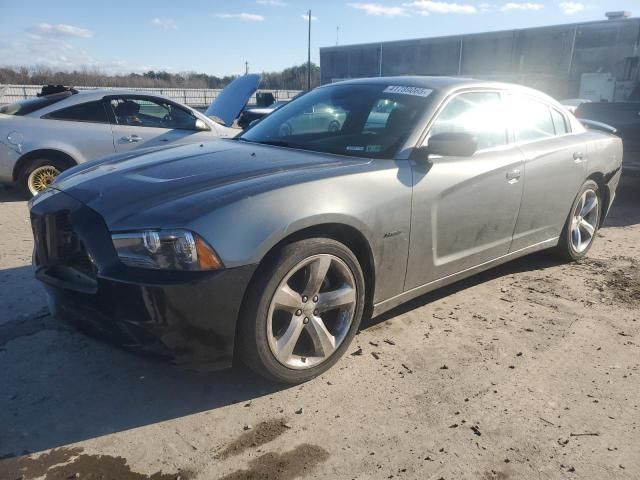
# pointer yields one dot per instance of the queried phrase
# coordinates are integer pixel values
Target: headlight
(165, 249)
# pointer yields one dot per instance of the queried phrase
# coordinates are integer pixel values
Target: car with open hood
(271, 247)
(63, 127)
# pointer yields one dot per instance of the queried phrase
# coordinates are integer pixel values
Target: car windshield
(356, 120)
(24, 107)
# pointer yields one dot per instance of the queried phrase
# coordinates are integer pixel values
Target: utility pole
(246, 67)
(309, 53)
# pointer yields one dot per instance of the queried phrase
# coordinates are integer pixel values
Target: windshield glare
(355, 120)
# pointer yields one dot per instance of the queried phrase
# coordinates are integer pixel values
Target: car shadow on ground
(11, 194)
(529, 263)
(63, 387)
(59, 386)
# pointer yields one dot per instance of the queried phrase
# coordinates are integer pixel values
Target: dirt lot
(531, 370)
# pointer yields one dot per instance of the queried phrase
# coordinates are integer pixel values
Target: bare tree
(293, 78)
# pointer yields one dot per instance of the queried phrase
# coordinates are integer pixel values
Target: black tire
(252, 342)
(565, 249)
(32, 165)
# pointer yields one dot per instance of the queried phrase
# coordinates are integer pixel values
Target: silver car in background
(270, 248)
(63, 127)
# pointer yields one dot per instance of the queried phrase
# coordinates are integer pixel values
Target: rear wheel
(38, 174)
(582, 224)
(303, 310)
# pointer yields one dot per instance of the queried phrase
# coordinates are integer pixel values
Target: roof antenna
(337, 35)
(246, 68)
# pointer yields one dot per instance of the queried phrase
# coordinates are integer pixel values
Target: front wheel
(302, 310)
(582, 224)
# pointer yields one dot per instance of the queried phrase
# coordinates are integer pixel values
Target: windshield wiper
(277, 143)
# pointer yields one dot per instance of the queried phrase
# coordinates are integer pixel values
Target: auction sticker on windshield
(415, 91)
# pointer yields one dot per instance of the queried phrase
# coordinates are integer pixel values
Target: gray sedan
(270, 248)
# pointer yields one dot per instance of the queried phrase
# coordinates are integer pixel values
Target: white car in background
(63, 127)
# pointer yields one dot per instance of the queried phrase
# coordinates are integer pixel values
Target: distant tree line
(293, 78)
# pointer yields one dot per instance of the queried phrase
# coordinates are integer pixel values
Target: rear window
(531, 120)
(24, 107)
(84, 112)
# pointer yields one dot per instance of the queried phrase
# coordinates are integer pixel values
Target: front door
(142, 122)
(465, 208)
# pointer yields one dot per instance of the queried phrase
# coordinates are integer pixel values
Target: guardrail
(194, 97)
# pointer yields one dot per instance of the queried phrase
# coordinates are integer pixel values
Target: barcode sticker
(415, 91)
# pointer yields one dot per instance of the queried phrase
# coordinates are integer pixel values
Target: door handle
(513, 175)
(131, 138)
(578, 157)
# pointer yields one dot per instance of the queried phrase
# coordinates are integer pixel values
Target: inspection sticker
(415, 91)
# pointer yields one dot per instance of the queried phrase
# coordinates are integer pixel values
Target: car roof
(433, 82)
(422, 81)
(445, 84)
(88, 94)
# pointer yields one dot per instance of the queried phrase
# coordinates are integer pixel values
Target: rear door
(465, 208)
(141, 122)
(554, 169)
(85, 125)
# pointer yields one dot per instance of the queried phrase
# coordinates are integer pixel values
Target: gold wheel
(41, 177)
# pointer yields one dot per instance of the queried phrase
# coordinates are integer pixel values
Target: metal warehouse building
(596, 60)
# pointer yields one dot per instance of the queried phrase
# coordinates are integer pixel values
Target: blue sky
(217, 36)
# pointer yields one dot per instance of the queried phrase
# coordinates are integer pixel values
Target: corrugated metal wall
(550, 58)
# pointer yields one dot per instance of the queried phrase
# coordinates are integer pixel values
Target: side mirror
(450, 144)
(201, 125)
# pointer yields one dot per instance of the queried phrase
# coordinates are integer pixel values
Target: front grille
(58, 244)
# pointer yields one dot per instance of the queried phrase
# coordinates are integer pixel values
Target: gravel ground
(530, 370)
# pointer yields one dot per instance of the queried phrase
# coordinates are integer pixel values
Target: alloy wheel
(311, 311)
(584, 222)
(41, 177)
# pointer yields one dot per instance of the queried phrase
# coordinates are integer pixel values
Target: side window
(143, 112)
(531, 119)
(84, 112)
(559, 122)
(478, 113)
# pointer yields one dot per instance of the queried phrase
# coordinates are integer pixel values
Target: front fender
(377, 203)
(316, 220)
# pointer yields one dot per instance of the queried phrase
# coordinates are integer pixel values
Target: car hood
(169, 186)
(232, 99)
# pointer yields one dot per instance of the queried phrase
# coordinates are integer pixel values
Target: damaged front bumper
(188, 316)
